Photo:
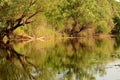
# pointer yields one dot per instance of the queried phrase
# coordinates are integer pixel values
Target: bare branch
(18, 25)
(33, 14)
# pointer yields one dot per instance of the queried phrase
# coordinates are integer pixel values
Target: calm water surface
(62, 59)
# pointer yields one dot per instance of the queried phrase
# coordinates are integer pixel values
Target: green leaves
(77, 10)
(61, 13)
(83, 12)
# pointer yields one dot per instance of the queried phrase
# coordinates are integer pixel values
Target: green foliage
(116, 19)
(117, 9)
(102, 27)
(61, 14)
(12, 10)
(84, 12)
(19, 13)
(76, 10)
(117, 26)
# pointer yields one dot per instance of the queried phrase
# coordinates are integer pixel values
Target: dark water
(62, 59)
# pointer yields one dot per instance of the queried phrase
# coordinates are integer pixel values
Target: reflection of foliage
(83, 61)
(15, 66)
(117, 47)
(73, 58)
(117, 39)
(37, 53)
(9, 71)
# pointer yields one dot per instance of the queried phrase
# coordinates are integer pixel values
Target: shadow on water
(71, 59)
(15, 66)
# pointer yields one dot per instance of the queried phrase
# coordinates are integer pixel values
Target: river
(61, 59)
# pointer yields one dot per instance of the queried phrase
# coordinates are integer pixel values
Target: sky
(118, 0)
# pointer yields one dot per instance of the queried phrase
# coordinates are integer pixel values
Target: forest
(66, 18)
(59, 39)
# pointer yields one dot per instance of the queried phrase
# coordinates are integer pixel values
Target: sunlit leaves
(83, 12)
(12, 10)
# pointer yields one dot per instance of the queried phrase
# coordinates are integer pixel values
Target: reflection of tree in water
(117, 40)
(15, 66)
(80, 60)
(77, 44)
(69, 60)
(117, 47)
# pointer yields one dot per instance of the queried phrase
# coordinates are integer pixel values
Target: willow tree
(17, 13)
(82, 13)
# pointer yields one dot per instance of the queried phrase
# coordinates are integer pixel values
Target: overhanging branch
(18, 25)
(33, 14)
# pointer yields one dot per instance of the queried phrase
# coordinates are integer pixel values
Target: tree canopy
(16, 13)
(83, 13)
(73, 16)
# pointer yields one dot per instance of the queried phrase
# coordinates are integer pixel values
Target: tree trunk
(73, 28)
(2, 35)
(6, 32)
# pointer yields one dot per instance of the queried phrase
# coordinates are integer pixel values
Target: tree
(17, 13)
(76, 11)
(81, 14)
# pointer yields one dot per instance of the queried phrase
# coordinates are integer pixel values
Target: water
(61, 59)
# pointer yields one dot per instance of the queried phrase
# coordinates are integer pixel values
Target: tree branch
(18, 25)
(32, 2)
(19, 20)
(33, 14)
